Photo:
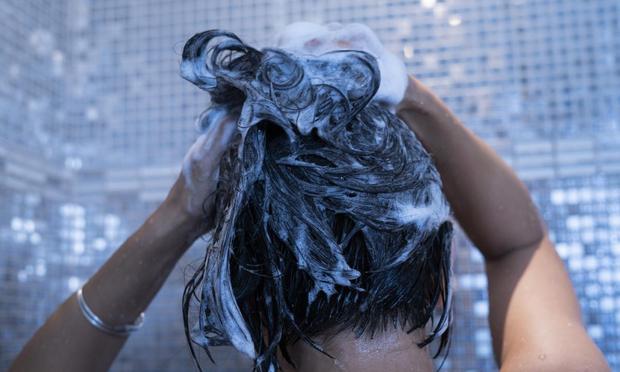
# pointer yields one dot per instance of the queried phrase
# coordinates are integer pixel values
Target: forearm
(492, 205)
(126, 284)
(118, 292)
(128, 281)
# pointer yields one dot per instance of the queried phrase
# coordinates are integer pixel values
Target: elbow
(527, 236)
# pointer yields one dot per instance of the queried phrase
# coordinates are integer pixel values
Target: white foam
(426, 217)
(315, 39)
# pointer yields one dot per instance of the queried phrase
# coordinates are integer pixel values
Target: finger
(216, 139)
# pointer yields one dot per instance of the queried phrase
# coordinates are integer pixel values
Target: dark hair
(329, 212)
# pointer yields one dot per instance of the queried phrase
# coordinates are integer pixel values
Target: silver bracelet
(122, 330)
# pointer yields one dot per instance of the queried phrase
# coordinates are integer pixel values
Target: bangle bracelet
(116, 330)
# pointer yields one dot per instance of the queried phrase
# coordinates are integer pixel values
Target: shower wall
(95, 119)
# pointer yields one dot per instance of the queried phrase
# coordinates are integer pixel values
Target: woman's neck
(391, 351)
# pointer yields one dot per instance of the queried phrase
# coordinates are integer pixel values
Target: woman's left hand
(193, 192)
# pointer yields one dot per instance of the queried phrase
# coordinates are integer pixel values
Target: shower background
(94, 121)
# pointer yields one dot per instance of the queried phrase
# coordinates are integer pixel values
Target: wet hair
(329, 213)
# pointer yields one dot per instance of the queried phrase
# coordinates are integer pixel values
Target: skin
(387, 351)
(127, 283)
(534, 315)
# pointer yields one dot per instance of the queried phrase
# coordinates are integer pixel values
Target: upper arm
(534, 314)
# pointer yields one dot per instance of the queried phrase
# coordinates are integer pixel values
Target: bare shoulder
(558, 362)
(535, 316)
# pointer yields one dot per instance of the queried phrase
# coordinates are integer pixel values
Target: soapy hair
(329, 213)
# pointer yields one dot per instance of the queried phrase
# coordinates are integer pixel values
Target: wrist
(420, 101)
(173, 218)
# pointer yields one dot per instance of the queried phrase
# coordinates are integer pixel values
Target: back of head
(329, 212)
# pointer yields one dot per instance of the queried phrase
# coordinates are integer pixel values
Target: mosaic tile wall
(94, 120)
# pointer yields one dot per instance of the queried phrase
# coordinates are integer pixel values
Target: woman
(534, 314)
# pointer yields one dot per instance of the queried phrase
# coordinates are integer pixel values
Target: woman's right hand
(533, 311)
(419, 99)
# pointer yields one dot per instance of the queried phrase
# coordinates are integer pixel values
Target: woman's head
(329, 212)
